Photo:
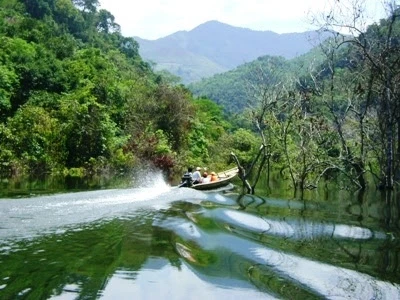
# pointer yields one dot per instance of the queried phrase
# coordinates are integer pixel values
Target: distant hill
(231, 89)
(215, 47)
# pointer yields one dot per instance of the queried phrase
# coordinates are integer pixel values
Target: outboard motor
(187, 181)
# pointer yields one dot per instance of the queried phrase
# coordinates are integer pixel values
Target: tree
(377, 49)
(173, 113)
(339, 90)
(87, 5)
(36, 139)
(88, 129)
(8, 83)
(105, 22)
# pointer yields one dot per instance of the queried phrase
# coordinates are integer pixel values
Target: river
(162, 242)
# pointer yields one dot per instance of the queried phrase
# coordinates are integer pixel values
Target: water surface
(161, 242)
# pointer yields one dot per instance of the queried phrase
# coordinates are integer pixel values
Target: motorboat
(224, 178)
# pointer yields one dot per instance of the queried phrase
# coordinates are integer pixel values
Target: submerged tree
(375, 55)
(291, 135)
(339, 116)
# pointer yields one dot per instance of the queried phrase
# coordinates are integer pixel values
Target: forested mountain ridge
(232, 89)
(215, 47)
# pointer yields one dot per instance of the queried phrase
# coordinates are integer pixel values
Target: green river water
(161, 242)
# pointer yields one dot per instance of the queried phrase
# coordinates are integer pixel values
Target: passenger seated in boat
(196, 176)
(206, 178)
(214, 177)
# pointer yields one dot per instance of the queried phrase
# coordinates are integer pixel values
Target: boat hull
(225, 178)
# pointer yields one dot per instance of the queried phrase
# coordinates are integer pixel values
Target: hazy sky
(152, 19)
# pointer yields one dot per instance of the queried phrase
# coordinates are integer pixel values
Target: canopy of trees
(76, 95)
(331, 113)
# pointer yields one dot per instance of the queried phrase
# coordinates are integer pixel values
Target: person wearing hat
(197, 176)
(214, 177)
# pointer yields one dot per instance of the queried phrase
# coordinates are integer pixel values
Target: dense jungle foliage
(76, 97)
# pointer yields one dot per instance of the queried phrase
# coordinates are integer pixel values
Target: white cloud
(153, 19)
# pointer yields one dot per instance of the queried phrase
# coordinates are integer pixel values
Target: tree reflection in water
(181, 243)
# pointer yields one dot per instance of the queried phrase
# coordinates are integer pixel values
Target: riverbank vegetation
(76, 98)
(330, 114)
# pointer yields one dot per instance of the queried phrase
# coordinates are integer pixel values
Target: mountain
(232, 89)
(215, 47)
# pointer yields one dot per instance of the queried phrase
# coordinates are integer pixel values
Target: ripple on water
(298, 229)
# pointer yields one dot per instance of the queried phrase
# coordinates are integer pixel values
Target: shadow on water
(159, 241)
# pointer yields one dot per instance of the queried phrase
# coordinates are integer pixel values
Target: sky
(153, 19)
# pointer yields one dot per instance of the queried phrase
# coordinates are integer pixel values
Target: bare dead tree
(265, 90)
(377, 50)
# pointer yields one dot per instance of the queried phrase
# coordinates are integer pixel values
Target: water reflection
(290, 228)
(157, 277)
(325, 280)
(163, 242)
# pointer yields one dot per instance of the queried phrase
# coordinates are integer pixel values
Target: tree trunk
(242, 175)
(389, 137)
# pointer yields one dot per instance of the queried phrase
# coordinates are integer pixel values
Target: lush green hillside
(234, 90)
(214, 47)
(75, 96)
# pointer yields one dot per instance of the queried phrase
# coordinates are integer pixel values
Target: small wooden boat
(223, 179)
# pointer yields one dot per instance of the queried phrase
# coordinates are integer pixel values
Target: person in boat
(189, 171)
(206, 178)
(187, 178)
(197, 178)
(214, 177)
